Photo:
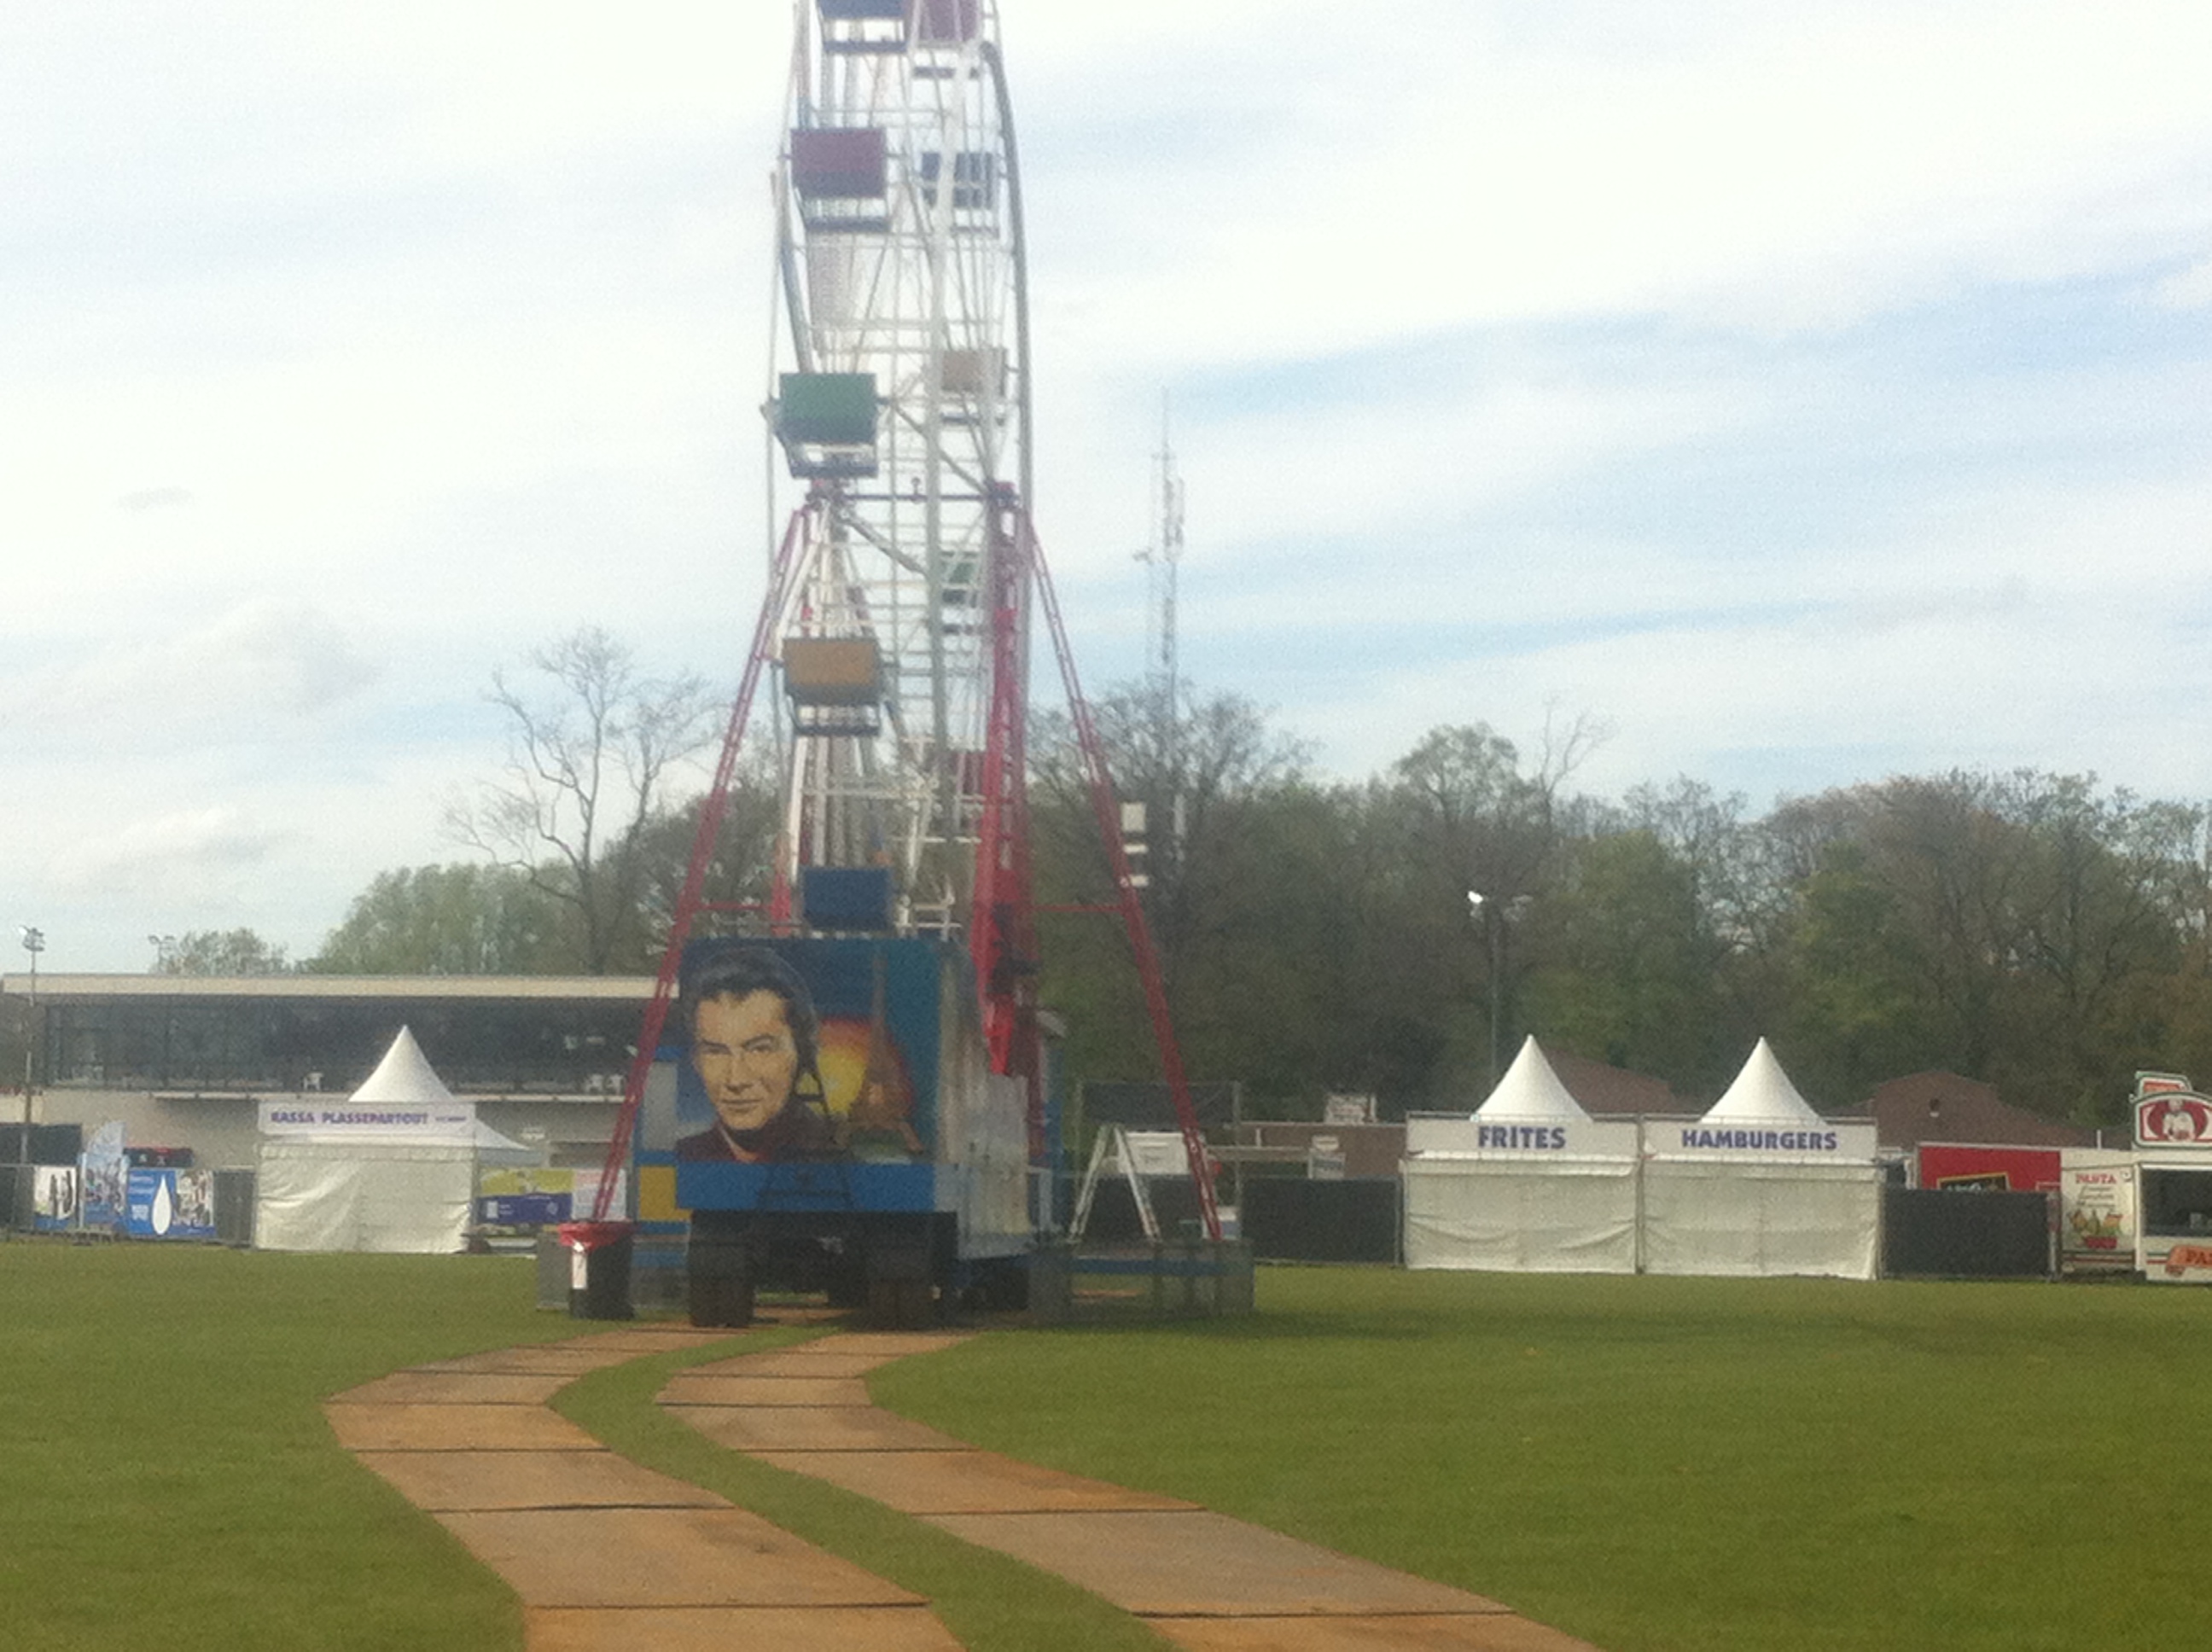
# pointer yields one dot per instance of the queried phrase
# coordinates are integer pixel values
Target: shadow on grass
(990, 1602)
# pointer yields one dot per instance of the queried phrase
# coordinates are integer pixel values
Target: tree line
(2034, 930)
(2037, 931)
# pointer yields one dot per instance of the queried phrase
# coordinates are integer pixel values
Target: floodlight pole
(1484, 912)
(34, 942)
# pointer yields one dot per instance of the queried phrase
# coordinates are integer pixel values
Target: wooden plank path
(606, 1554)
(1200, 1579)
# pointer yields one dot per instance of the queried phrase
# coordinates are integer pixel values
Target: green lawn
(1651, 1463)
(166, 1478)
(1669, 1463)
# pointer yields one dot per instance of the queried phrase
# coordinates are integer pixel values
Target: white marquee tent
(1529, 1183)
(392, 1168)
(1761, 1184)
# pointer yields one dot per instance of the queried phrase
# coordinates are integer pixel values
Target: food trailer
(2173, 1180)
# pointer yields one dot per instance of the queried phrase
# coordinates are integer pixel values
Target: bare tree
(592, 746)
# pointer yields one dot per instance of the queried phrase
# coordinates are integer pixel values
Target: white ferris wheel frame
(924, 288)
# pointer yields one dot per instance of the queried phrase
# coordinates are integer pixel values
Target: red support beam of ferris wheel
(1101, 781)
(1002, 930)
(712, 809)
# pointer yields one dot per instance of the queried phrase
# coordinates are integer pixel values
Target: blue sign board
(170, 1204)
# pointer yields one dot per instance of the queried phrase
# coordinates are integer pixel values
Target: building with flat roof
(183, 1060)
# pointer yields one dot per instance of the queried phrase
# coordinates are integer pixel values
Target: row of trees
(2030, 929)
(2027, 928)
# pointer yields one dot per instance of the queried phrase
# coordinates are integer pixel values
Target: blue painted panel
(794, 1185)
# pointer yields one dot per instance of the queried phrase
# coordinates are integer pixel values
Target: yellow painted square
(656, 1194)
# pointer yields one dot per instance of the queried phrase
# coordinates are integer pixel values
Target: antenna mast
(1166, 560)
(1168, 556)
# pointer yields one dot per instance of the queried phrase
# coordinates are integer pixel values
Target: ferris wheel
(896, 619)
(898, 419)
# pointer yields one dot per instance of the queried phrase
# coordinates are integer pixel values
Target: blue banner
(170, 1205)
(105, 1169)
(525, 1210)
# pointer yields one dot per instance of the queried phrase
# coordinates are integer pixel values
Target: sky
(1805, 394)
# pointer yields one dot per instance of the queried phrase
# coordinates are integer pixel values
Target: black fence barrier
(1289, 1219)
(49, 1144)
(1970, 1235)
(1114, 1219)
(234, 1207)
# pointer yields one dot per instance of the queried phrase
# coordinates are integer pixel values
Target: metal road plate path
(551, 1358)
(1499, 1632)
(897, 1345)
(800, 1428)
(579, 1356)
(663, 1557)
(798, 1361)
(454, 1428)
(717, 1629)
(459, 1388)
(964, 1482)
(1202, 1564)
(445, 1482)
(692, 1389)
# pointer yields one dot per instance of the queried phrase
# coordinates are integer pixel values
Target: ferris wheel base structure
(898, 1175)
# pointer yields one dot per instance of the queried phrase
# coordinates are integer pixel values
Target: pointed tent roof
(404, 1075)
(1762, 1093)
(1530, 1090)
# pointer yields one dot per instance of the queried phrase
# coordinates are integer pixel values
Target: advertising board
(1538, 1138)
(537, 1197)
(2178, 1261)
(1834, 1141)
(427, 1121)
(170, 1204)
(106, 1166)
(56, 1194)
(1964, 1165)
(806, 1074)
(2178, 1118)
(2096, 1211)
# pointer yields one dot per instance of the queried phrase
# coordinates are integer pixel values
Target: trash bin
(599, 1269)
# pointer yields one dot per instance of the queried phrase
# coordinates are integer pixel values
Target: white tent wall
(1762, 1184)
(1749, 1217)
(1536, 1192)
(1547, 1216)
(364, 1196)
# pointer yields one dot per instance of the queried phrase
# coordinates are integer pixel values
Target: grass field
(1651, 1463)
(166, 1478)
(1670, 1463)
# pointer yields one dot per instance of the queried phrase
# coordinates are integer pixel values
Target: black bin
(599, 1269)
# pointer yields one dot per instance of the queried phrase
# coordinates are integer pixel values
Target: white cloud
(1798, 168)
(2189, 290)
(248, 676)
(2039, 631)
(170, 855)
